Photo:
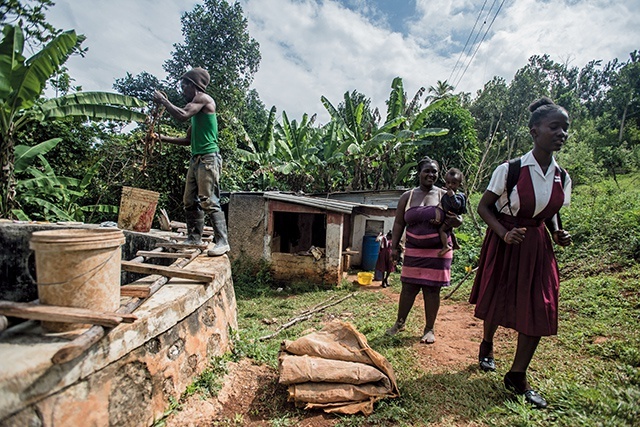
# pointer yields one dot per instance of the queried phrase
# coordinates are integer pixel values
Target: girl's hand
(515, 236)
(561, 238)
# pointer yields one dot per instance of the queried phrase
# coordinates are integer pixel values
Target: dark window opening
(374, 227)
(297, 232)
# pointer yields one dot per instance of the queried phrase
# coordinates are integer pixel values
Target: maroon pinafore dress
(516, 286)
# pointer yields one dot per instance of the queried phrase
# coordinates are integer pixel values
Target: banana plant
(287, 153)
(54, 198)
(22, 81)
(382, 157)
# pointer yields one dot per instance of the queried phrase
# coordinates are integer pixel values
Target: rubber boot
(195, 227)
(220, 231)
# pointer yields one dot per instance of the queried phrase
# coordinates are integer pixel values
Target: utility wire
(478, 47)
(467, 42)
(475, 39)
(457, 76)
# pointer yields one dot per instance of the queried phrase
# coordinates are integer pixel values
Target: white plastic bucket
(78, 268)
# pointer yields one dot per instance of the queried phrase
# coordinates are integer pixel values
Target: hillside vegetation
(589, 372)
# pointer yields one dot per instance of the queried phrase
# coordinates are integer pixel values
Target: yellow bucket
(365, 278)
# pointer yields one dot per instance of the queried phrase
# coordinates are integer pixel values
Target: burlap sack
(302, 369)
(335, 392)
(336, 370)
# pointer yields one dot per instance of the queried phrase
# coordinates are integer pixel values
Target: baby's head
(453, 179)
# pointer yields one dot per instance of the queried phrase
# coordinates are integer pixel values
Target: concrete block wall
(291, 267)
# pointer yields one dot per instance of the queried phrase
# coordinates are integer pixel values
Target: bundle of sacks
(335, 370)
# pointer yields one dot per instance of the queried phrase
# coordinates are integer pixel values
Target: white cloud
(571, 31)
(122, 36)
(312, 48)
(326, 51)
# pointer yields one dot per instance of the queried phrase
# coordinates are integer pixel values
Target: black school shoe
(487, 364)
(485, 356)
(530, 395)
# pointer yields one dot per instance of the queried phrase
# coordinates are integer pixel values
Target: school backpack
(512, 180)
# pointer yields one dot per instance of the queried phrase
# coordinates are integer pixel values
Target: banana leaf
(25, 154)
(27, 81)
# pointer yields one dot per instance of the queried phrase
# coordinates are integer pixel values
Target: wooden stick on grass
(466, 276)
(304, 317)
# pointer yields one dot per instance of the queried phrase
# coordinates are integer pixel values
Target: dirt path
(241, 403)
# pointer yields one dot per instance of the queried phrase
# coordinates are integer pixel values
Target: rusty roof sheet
(320, 203)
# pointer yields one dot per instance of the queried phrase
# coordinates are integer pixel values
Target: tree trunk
(624, 117)
(8, 189)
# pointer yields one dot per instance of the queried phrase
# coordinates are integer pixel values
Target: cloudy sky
(312, 48)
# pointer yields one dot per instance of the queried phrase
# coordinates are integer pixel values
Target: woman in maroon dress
(385, 263)
(517, 281)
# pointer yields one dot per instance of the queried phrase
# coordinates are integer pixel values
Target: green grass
(589, 372)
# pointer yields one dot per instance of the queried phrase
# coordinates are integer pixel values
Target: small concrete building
(373, 222)
(314, 239)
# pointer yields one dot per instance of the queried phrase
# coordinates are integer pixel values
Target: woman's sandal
(487, 364)
(428, 338)
(485, 356)
(397, 327)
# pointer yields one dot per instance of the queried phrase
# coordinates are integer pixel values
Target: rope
(149, 139)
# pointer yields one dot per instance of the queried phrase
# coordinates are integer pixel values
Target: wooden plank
(205, 238)
(152, 254)
(94, 334)
(172, 245)
(206, 233)
(137, 291)
(53, 313)
(178, 224)
(167, 271)
(140, 258)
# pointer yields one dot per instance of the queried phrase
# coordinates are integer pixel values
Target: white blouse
(542, 185)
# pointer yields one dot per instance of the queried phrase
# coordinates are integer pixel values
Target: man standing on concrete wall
(202, 187)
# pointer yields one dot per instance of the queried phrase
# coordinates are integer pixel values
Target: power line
(478, 47)
(457, 76)
(467, 42)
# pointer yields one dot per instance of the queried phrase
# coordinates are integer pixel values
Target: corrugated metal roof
(374, 197)
(316, 202)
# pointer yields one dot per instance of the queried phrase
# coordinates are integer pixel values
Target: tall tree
(442, 90)
(459, 147)
(624, 95)
(216, 39)
(30, 16)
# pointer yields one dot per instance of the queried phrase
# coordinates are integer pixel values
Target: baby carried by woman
(454, 202)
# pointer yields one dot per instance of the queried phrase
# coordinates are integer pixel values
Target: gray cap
(198, 76)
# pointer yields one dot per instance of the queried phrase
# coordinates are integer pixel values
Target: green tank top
(204, 134)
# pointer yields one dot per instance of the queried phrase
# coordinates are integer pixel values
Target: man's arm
(181, 114)
(176, 139)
